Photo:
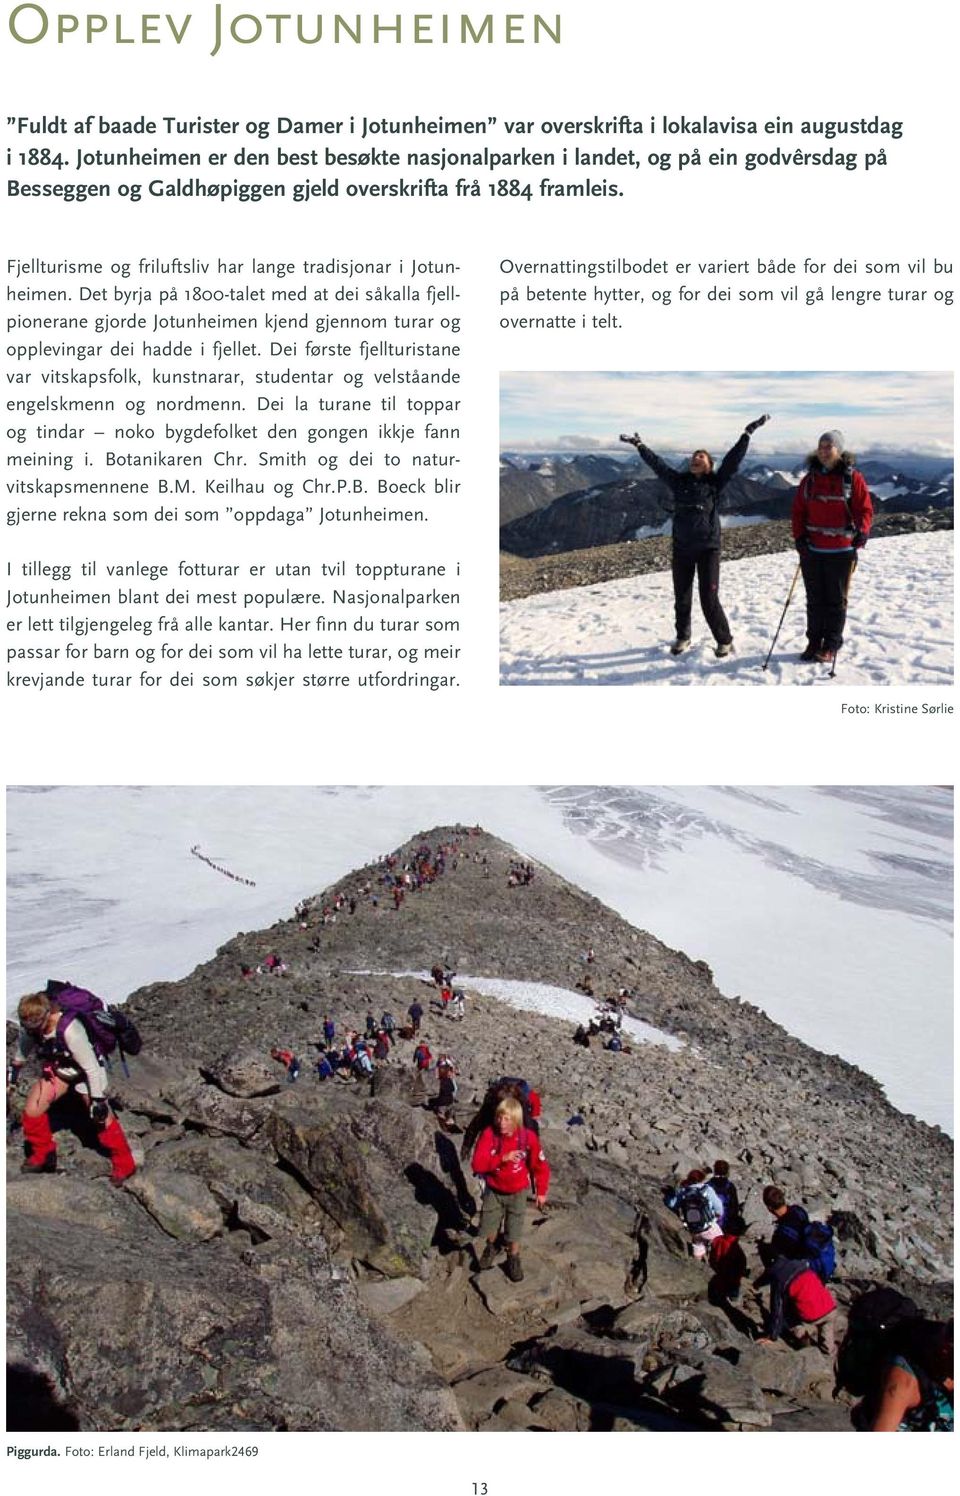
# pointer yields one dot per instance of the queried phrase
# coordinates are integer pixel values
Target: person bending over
(69, 1063)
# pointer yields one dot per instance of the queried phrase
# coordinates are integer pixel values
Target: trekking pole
(846, 594)
(782, 617)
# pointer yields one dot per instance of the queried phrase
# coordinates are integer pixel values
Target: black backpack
(876, 1325)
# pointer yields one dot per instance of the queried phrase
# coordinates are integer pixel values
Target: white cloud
(676, 410)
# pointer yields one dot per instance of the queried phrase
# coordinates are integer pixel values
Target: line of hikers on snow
(830, 520)
(900, 1363)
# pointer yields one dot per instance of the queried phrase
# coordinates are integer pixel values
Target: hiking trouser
(502, 1211)
(700, 1245)
(826, 577)
(705, 566)
(819, 1332)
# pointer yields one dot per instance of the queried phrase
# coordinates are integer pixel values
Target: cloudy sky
(875, 411)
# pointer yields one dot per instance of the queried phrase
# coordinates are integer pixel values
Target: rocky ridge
(525, 576)
(300, 1256)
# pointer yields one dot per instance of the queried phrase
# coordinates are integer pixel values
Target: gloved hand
(632, 441)
(755, 425)
(859, 541)
(99, 1112)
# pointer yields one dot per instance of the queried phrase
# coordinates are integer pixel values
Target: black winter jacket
(696, 501)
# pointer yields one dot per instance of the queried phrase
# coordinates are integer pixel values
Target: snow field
(899, 626)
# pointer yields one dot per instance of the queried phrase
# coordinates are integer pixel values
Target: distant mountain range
(554, 501)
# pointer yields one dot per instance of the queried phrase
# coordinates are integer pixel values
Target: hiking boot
(679, 645)
(487, 1257)
(514, 1269)
(809, 655)
(722, 650)
(825, 656)
(46, 1165)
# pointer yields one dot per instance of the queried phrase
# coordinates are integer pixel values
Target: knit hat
(836, 437)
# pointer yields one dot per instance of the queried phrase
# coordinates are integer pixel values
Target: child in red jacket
(509, 1157)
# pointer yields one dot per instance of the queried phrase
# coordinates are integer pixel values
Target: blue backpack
(819, 1249)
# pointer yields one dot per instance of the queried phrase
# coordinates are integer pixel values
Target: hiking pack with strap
(696, 1208)
(819, 1249)
(108, 1028)
(813, 1240)
(846, 478)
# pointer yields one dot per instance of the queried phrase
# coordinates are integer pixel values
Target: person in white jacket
(69, 1062)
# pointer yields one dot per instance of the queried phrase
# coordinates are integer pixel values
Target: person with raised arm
(695, 491)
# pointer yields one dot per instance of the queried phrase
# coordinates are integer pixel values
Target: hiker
(458, 1008)
(728, 1263)
(726, 1192)
(792, 1220)
(289, 1061)
(52, 1027)
(415, 1014)
(370, 1025)
(362, 1066)
(581, 1037)
(916, 1387)
(436, 973)
(329, 1029)
(831, 519)
(446, 1096)
(699, 1209)
(614, 1043)
(509, 1158)
(796, 1236)
(422, 1057)
(325, 1070)
(696, 533)
(802, 1308)
(388, 1023)
(381, 1046)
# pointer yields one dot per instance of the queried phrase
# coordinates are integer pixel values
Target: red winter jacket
(511, 1178)
(820, 516)
(810, 1296)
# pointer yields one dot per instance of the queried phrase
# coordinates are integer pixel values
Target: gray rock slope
(300, 1256)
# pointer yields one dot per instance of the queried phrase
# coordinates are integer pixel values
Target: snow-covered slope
(899, 626)
(830, 909)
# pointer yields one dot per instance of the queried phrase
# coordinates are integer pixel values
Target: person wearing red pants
(70, 1062)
